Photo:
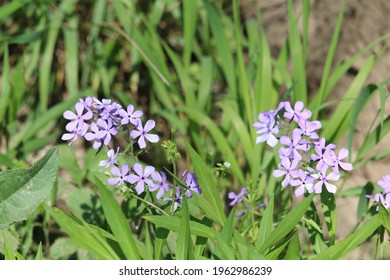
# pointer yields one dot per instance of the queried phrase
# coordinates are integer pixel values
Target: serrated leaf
(23, 190)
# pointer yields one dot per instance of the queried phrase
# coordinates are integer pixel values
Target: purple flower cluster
(99, 120)
(384, 196)
(306, 160)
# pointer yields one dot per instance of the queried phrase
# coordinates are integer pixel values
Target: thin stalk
(151, 205)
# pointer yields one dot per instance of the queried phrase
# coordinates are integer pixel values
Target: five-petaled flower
(141, 177)
(142, 133)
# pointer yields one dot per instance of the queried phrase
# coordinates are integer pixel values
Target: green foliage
(23, 190)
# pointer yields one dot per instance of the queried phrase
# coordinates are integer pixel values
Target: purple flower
(237, 198)
(130, 115)
(296, 114)
(89, 136)
(77, 119)
(303, 181)
(323, 154)
(111, 158)
(75, 134)
(308, 129)
(178, 198)
(191, 181)
(141, 177)
(142, 133)
(100, 105)
(161, 184)
(379, 197)
(293, 145)
(106, 130)
(385, 183)
(87, 102)
(334, 161)
(120, 175)
(267, 128)
(286, 169)
(323, 179)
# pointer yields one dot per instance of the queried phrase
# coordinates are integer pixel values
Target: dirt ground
(363, 22)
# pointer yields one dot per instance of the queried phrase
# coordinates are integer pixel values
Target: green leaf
(23, 190)
(8, 252)
(288, 223)
(329, 211)
(39, 255)
(94, 239)
(374, 138)
(226, 235)
(184, 244)
(297, 56)
(207, 184)
(62, 248)
(384, 217)
(352, 241)
(173, 224)
(320, 97)
(189, 29)
(293, 249)
(366, 93)
(118, 222)
(266, 224)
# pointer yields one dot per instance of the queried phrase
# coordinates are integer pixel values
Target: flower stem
(151, 205)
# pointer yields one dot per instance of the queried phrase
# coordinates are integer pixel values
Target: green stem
(173, 190)
(151, 205)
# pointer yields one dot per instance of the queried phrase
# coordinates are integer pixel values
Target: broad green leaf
(352, 241)
(23, 190)
(118, 222)
(288, 223)
(207, 184)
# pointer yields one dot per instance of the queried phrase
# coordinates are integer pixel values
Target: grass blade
(288, 223)
(207, 184)
(118, 222)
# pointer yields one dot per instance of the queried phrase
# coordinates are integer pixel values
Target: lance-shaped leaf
(23, 190)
